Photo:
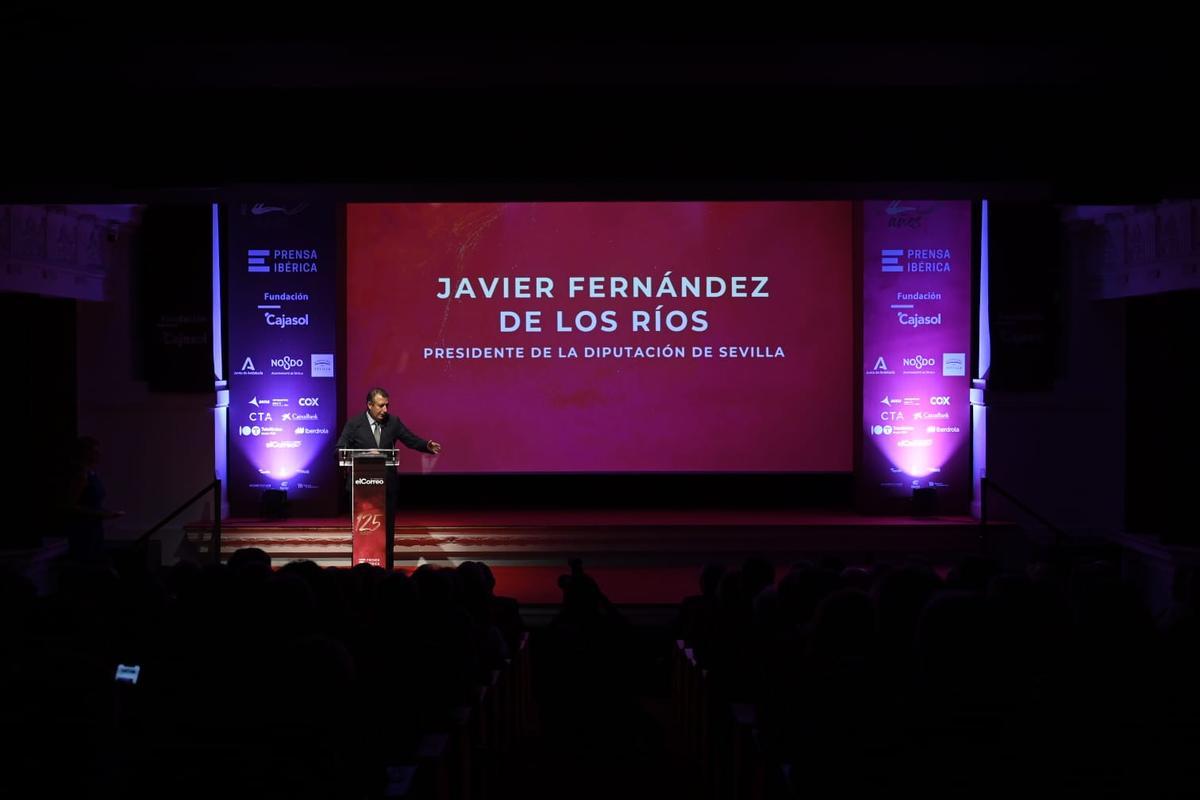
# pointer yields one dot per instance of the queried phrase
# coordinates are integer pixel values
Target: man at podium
(379, 429)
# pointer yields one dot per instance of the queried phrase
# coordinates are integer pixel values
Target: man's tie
(376, 428)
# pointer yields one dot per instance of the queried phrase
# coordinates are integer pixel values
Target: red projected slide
(608, 337)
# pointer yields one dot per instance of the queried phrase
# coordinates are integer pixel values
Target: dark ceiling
(102, 108)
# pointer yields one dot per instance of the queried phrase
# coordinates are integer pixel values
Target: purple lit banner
(282, 315)
(916, 350)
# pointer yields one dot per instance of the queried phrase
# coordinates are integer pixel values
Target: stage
(637, 556)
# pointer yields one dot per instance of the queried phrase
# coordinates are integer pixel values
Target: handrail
(215, 488)
(986, 483)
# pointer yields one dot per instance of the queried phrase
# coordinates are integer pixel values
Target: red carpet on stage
(636, 556)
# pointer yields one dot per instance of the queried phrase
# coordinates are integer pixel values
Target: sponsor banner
(916, 341)
(281, 313)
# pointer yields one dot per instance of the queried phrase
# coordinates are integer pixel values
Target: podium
(368, 504)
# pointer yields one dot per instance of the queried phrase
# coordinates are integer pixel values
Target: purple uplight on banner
(916, 343)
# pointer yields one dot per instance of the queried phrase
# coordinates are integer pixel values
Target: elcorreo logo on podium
(322, 365)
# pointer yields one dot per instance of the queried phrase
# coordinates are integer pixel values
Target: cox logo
(287, 362)
(311, 402)
(939, 401)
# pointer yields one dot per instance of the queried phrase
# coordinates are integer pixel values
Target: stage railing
(214, 541)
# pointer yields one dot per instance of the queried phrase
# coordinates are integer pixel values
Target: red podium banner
(368, 503)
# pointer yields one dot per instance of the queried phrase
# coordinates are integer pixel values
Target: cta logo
(322, 365)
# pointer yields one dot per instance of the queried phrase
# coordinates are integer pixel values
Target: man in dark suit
(378, 429)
